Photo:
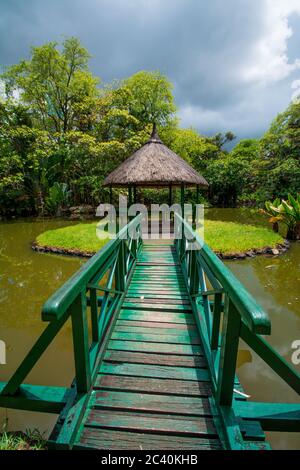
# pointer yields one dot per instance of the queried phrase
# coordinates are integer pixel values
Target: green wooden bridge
(156, 328)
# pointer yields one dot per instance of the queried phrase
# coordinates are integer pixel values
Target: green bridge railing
(225, 313)
(108, 272)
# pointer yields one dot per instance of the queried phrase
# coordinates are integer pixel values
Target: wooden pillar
(182, 199)
(198, 194)
(197, 202)
(129, 196)
(134, 194)
(170, 195)
(110, 195)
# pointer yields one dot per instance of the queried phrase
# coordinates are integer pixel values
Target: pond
(28, 278)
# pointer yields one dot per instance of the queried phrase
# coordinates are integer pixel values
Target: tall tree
(57, 85)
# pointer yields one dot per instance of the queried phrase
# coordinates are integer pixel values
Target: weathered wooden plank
(157, 330)
(166, 424)
(148, 337)
(123, 324)
(103, 439)
(146, 370)
(154, 403)
(163, 317)
(155, 359)
(157, 295)
(185, 349)
(148, 304)
(151, 385)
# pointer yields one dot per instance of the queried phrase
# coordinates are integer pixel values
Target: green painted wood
(182, 349)
(251, 312)
(146, 370)
(34, 355)
(94, 315)
(145, 304)
(154, 359)
(63, 297)
(154, 403)
(280, 417)
(81, 344)
(153, 385)
(156, 330)
(170, 424)
(181, 338)
(229, 351)
(123, 325)
(164, 317)
(47, 399)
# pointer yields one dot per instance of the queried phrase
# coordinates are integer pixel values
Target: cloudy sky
(235, 64)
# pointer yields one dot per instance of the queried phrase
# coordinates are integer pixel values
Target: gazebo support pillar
(170, 195)
(197, 202)
(134, 194)
(110, 195)
(182, 190)
(129, 196)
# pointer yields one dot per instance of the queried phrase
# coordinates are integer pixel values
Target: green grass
(80, 237)
(30, 440)
(231, 237)
(224, 237)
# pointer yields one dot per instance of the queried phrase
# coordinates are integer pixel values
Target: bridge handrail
(242, 316)
(116, 259)
(251, 312)
(58, 303)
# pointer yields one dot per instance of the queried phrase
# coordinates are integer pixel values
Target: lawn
(80, 237)
(231, 237)
(223, 237)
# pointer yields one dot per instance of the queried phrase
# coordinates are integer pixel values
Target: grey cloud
(200, 45)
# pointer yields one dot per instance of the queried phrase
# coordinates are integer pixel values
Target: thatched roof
(154, 164)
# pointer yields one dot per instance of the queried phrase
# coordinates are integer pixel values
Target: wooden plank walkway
(152, 390)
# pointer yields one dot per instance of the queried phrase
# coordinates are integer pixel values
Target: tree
(221, 139)
(148, 97)
(233, 175)
(190, 145)
(56, 85)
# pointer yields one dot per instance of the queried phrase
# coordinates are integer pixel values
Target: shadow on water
(28, 278)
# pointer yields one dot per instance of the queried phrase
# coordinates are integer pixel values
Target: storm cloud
(235, 64)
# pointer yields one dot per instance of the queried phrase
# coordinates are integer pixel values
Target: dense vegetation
(62, 132)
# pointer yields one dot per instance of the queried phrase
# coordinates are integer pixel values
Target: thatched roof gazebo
(154, 165)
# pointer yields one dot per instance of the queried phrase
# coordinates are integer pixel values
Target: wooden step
(151, 385)
(104, 439)
(154, 359)
(152, 423)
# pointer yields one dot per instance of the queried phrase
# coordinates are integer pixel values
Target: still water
(28, 278)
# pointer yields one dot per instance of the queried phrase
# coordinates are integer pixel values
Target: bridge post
(81, 343)
(229, 351)
(121, 267)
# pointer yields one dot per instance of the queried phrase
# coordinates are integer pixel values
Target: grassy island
(225, 238)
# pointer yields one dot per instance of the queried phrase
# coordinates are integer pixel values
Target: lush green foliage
(287, 212)
(31, 440)
(61, 134)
